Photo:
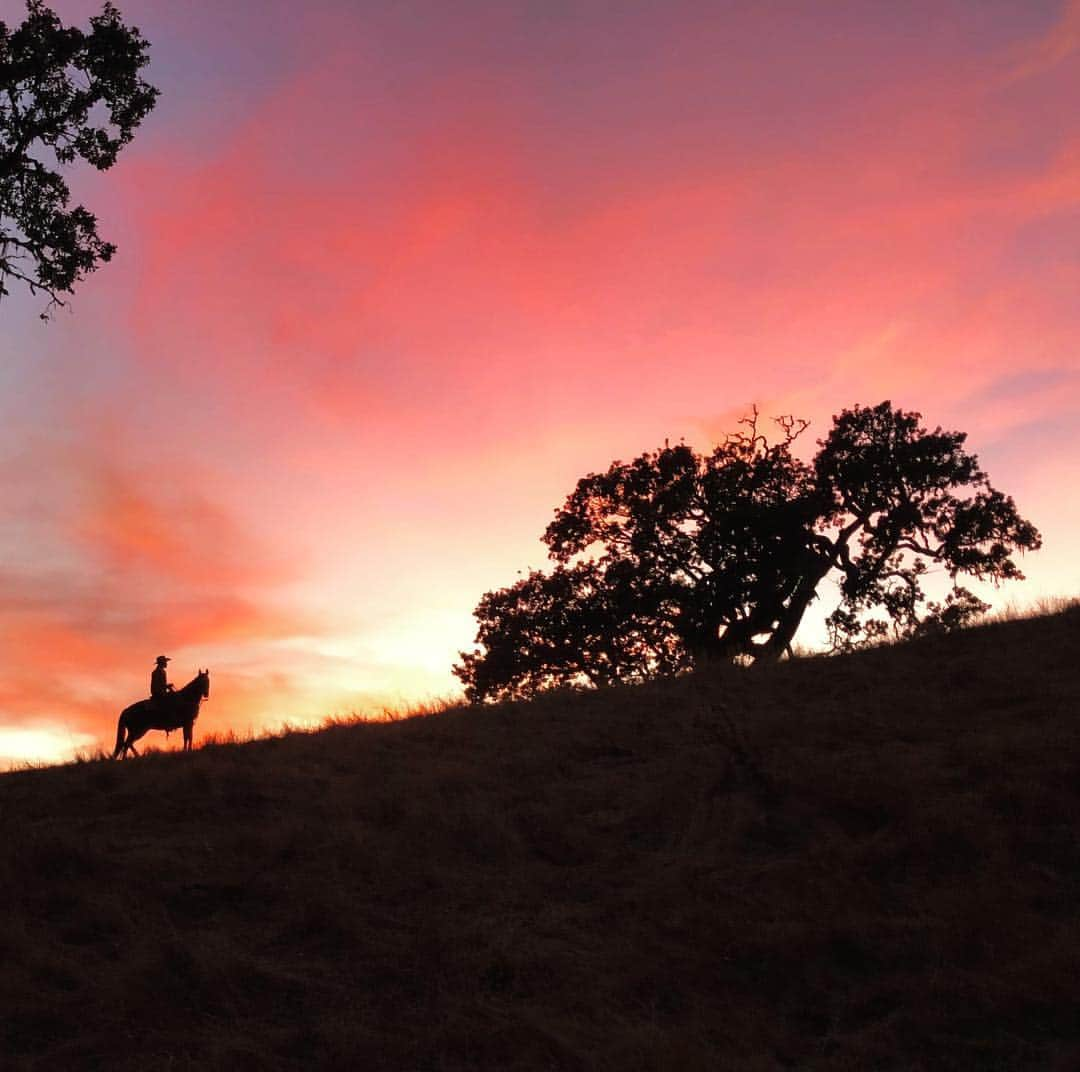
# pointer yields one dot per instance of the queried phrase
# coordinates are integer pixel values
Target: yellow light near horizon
(40, 744)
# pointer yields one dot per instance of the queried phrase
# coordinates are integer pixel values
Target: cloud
(1059, 43)
(161, 529)
(148, 564)
(443, 261)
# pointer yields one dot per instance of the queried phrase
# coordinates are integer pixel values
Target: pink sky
(392, 276)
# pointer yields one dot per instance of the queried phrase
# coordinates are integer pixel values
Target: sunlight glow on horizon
(39, 744)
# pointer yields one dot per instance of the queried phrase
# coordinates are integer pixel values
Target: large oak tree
(65, 94)
(677, 557)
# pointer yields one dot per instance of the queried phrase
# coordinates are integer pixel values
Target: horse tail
(121, 725)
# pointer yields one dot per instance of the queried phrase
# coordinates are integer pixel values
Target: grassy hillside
(866, 862)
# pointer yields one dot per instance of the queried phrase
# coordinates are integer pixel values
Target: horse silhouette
(169, 712)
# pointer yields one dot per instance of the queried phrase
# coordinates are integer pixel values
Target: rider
(159, 686)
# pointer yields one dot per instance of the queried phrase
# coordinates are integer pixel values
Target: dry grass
(1043, 607)
(866, 862)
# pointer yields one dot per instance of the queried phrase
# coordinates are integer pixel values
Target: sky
(392, 276)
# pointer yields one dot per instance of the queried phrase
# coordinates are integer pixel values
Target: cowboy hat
(163, 658)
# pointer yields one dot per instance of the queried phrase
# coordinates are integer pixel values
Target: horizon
(390, 281)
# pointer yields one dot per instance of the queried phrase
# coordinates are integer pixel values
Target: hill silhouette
(860, 862)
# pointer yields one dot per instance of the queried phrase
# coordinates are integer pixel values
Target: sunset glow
(392, 277)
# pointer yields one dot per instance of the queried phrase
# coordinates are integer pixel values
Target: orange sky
(391, 277)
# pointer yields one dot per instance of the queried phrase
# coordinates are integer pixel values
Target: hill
(861, 862)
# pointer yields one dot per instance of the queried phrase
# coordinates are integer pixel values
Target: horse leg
(188, 726)
(121, 728)
(132, 737)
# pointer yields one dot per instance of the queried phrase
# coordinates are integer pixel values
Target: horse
(169, 712)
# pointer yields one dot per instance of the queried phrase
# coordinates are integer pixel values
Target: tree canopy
(676, 556)
(65, 94)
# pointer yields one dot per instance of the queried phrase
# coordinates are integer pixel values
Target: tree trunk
(709, 645)
(780, 641)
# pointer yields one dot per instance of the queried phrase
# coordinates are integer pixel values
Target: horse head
(203, 679)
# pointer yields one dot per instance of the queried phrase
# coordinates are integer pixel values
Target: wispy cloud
(1060, 43)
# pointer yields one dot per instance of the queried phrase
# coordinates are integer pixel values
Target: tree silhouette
(64, 94)
(677, 557)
